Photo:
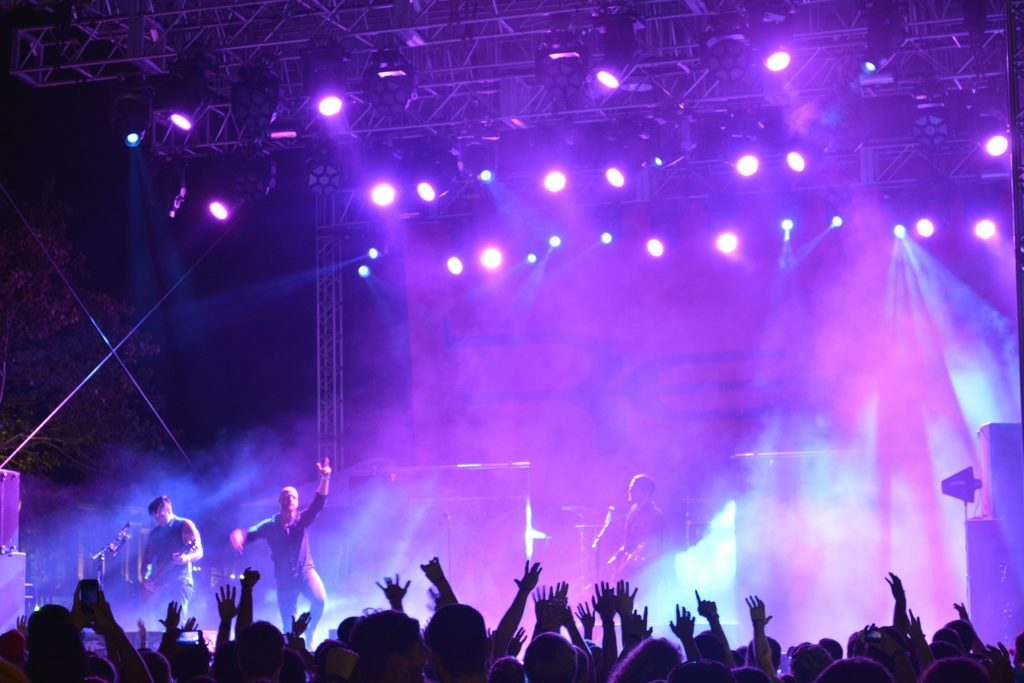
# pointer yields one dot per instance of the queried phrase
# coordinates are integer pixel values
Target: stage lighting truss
(254, 101)
(561, 66)
(886, 31)
(389, 83)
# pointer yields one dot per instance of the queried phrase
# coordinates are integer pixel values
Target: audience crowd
(456, 645)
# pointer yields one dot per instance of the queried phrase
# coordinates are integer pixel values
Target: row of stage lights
(491, 258)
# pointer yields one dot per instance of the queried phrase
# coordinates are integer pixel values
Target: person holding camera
(172, 548)
(287, 535)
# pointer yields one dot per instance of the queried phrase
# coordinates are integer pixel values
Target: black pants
(309, 585)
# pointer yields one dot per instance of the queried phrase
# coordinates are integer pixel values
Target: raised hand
(1000, 668)
(634, 629)
(552, 615)
(531, 576)
(562, 592)
(104, 622)
(227, 608)
(624, 599)
(21, 624)
(896, 586)
(708, 609)
(435, 598)
(515, 645)
(916, 631)
(324, 468)
(173, 617)
(433, 571)
(250, 577)
(141, 626)
(757, 610)
(961, 612)
(604, 602)
(587, 619)
(682, 627)
(394, 591)
(190, 624)
(300, 625)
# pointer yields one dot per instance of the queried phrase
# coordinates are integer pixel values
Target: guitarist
(173, 546)
(644, 534)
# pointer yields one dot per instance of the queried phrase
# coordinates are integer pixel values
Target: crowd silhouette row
(456, 646)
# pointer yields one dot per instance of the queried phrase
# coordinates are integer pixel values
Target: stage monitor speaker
(995, 558)
(12, 589)
(10, 498)
(1002, 471)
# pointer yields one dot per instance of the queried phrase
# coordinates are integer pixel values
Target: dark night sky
(237, 340)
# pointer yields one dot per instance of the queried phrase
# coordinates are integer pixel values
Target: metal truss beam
(1015, 87)
(475, 62)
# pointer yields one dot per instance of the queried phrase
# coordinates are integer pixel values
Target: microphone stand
(100, 556)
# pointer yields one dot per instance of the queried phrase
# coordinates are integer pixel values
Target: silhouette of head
(703, 671)
(954, 670)
(832, 647)
(641, 489)
(458, 642)
(748, 674)
(550, 658)
(652, 659)
(390, 648)
(507, 670)
(809, 661)
(855, 670)
(260, 650)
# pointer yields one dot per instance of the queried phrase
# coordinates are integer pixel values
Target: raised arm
(434, 573)
(506, 628)
(683, 628)
(133, 667)
(604, 606)
(250, 577)
(709, 610)
(900, 621)
(762, 652)
(324, 469)
(227, 609)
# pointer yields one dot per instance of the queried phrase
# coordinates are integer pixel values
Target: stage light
(255, 175)
(787, 224)
(531, 258)
(383, 194)
(181, 121)
(561, 64)
(931, 128)
(997, 145)
(796, 162)
(329, 105)
(869, 67)
(608, 79)
(254, 100)
(455, 265)
(925, 227)
(364, 271)
(389, 82)
(555, 241)
(900, 231)
(615, 177)
(606, 238)
(133, 139)
(727, 242)
(132, 112)
(218, 210)
(324, 173)
(373, 253)
(486, 176)
(658, 162)
(837, 222)
(555, 181)
(491, 258)
(985, 229)
(747, 165)
(778, 61)
(726, 52)
(426, 192)
(655, 247)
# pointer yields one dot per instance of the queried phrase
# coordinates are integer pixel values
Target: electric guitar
(161, 578)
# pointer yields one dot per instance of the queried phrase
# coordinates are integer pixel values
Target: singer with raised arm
(644, 534)
(171, 549)
(287, 535)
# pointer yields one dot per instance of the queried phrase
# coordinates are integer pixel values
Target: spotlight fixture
(778, 61)
(727, 242)
(985, 229)
(837, 222)
(726, 50)
(426, 191)
(373, 253)
(886, 30)
(324, 174)
(324, 77)
(900, 231)
(997, 145)
(554, 241)
(531, 258)
(561, 63)
(185, 93)
(389, 83)
(218, 209)
(555, 181)
(655, 247)
(491, 258)
(615, 177)
(747, 165)
(930, 127)
(254, 100)
(455, 265)
(617, 30)
(255, 176)
(383, 194)
(606, 237)
(486, 176)
(132, 111)
(925, 227)
(796, 162)
(364, 271)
